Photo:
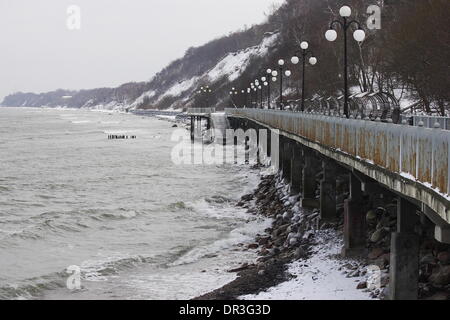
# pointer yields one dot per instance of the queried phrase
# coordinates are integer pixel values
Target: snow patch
(233, 64)
(317, 278)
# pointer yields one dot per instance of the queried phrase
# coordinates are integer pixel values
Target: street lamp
(269, 74)
(280, 65)
(267, 84)
(261, 96)
(312, 60)
(257, 84)
(359, 35)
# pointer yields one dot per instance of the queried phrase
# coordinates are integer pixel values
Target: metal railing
(150, 112)
(201, 110)
(427, 121)
(416, 153)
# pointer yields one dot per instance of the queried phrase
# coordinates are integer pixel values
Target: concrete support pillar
(192, 128)
(287, 158)
(199, 128)
(442, 234)
(354, 220)
(258, 145)
(328, 192)
(309, 175)
(296, 169)
(281, 153)
(404, 268)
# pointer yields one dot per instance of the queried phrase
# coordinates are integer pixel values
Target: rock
(175, 126)
(253, 246)
(261, 272)
(441, 276)
(275, 251)
(353, 274)
(299, 253)
(293, 241)
(384, 281)
(378, 235)
(287, 216)
(247, 197)
(241, 268)
(376, 253)
(263, 241)
(371, 216)
(362, 285)
(282, 229)
(428, 259)
(444, 257)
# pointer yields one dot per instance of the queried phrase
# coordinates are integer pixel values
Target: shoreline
(292, 239)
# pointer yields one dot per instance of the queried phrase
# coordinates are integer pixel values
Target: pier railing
(416, 153)
(431, 121)
(201, 111)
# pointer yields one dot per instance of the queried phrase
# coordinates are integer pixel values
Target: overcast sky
(119, 40)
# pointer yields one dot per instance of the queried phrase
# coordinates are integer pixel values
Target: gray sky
(119, 40)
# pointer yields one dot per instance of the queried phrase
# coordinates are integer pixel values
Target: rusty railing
(416, 153)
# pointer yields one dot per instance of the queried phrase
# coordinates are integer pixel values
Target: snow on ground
(233, 64)
(140, 100)
(317, 278)
(179, 88)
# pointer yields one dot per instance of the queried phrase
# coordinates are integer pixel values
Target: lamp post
(256, 92)
(252, 86)
(269, 74)
(231, 97)
(207, 91)
(263, 80)
(274, 76)
(280, 65)
(274, 79)
(312, 60)
(266, 83)
(260, 96)
(359, 35)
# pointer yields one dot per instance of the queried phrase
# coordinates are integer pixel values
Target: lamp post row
(331, 35)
